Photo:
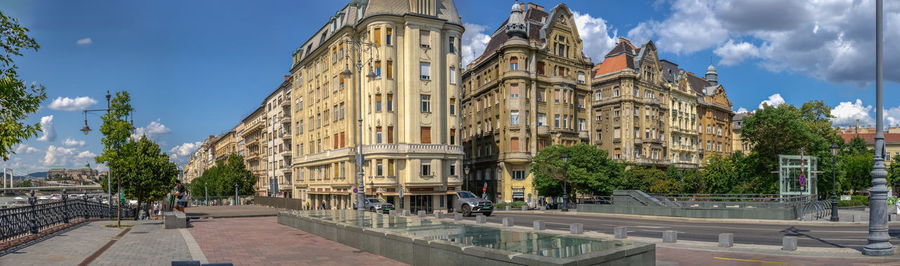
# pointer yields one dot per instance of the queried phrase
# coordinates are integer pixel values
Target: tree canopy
(589, 170)
(220, 179)
(147, 173)
(17, 99)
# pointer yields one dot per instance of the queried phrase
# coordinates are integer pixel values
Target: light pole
(86, 130)
(466, 179)
(834, 193)
(359, 45)
(879, 239)
(565, 157)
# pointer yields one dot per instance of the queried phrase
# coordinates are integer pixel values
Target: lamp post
(879, 239)
(359, 45)
(834, 193)
(466, 179)
(565, 158)
(87, 130)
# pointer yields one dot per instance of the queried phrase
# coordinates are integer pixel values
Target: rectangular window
(389, 36)
(379, 168)
(376, 37)
(378, 103)
(425, 133)
(452, 170)
(377, 69)
(541, 119)
(556, 121)
(518, 175)
(342, 111)
(581, 79)
(514, 90)
(390, 134)
(556, 95)
(378, 135)
(514, 118)
(514, 144)
(452, 106)
(391, 168)
(390, 103)
(424, 38)
(540, 68)
(452, 75)
(426, 168)
(617, 133)
(540, 95)
(426, 103)
(390, 69)
(343, 140)
(452, 136)
(582, 126)
(452, 43)
(425, 70)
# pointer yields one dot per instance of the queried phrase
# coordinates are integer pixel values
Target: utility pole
(879, 239)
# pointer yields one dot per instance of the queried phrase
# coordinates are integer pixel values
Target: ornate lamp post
(565, 158)
(834, 194)
(466, 179)
(879, 239)
(359, 46)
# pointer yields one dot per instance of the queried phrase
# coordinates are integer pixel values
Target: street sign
(355, 191)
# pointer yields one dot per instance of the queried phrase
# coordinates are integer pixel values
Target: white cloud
(185, 149)
(47, 128)
(86, 155)
(72, 142)
(152, 130)
(892, 117)
(70, 104)
(774, 100)
(84, 41)
(474, 40)
(848, 113)
(734, 53)
(25, 149)
(742, 110)
(828, 40)
(595, 33)
(58, 156)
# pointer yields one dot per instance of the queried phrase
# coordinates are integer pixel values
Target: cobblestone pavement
(231, 211)
(147, 243)
(262, 241)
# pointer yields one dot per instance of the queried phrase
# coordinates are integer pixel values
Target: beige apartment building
(203, 158)
(715, 115)
(255, 156)
(737, 142)
(278, 138)
(684, 139)
(527, 91)
(631, 105)
(403, 98)
(225, 145)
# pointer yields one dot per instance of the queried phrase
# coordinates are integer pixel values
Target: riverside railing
(35, 218)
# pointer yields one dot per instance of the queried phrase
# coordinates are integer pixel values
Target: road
(844, 236)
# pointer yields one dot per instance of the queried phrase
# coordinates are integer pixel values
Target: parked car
(467, 203)
(375, 205)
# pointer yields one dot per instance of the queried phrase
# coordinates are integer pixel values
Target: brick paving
(146, 244)
(230, 211)
(67, 248)
(262, 241)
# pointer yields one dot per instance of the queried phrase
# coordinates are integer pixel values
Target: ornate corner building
(390, 70)
(527, 91)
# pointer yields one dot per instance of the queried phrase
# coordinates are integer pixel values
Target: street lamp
(834, 208)
(466, 179)
(360, 45)
(565, 158)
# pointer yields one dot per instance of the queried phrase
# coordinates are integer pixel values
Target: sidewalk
(230, 211)
(844, 215)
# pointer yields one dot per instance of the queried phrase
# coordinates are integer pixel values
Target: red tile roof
(870, 137)
(615, 63)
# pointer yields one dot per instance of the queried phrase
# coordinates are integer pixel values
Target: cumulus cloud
(733, 53)
(473, 42)
(70, 104)
(86, 155)
(25, 149)
(848, 113)
(742, 110)
(152, 130)
(72, 142)
(774, 100)
(47, 129)
(58, 156)
(185, 149)
(828, 40)
(84, 41)
(595, 34)
(892, 117)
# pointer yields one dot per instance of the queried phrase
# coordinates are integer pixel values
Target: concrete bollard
(726, 240)
(392, 213)
(406, 213)
(421, 214)
(507, 221)
(670, 236)
(789, 243)
(524, 208)
(480, 219)
(438, 215)
(892, 217)
(856, 218)
(620, 232)
(457, 216)
(507, 208)
(576, 229)
(543, 208)
(539, 225)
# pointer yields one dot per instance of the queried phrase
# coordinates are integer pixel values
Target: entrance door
(450, 205)
(422, 203)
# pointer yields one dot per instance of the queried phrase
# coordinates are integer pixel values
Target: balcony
(252, 127)
(286, 103)
(583, 135)
(543, 130)
(284, 135)
(405, 148)
(285, 119)
(516, 157)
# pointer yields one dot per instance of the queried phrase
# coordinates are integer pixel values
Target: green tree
(147, 173)
(219, 180)
(116, 130)
(858, 171)
(894, 171)
(18, 100)
(589, 170)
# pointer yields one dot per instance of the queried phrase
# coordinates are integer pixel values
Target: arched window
(513, 63)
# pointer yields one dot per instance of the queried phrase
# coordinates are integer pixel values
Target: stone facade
(225, 145)
(254, 148)
(715, 115)
(200, 160)
(277, 137)
(528, 90)
(403, 100)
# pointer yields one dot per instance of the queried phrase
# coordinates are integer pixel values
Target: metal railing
(22, 221)
(814, 210)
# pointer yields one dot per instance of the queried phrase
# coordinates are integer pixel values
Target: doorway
(420, 203)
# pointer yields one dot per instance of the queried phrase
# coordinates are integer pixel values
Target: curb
(689, 219)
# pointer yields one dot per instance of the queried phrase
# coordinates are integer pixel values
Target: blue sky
(197, 67)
